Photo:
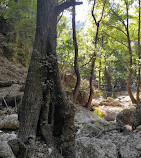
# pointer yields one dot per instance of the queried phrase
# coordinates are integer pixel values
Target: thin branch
(97, 23)
(116, 28)
(102, 10)
(16, 107)
(94, 55)
(60, 17)
(8, 110)
(120, 19)
(93, 13)
(61, 7)
(116, 39)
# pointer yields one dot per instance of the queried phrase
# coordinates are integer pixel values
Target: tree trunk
(129, 89)
(130, 56)
(44, 102)
(99, 78)
(139, 56)
(99, 73)
(97, 23)
(88, 104)
(108, 80)
(76, 89)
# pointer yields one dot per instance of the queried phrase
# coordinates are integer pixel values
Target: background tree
(76, 68)
(97, 23)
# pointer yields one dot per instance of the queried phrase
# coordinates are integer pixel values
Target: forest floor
(110, 107)
(12, 79)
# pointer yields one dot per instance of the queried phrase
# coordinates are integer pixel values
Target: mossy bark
(44, 103)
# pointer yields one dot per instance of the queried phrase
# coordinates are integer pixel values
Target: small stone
(110, 117)
(138, 147)
(138, 128)
(1, 132)
(109, 99)
(49, 151)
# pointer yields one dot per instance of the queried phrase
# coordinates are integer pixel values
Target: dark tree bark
(130, 56)
(76, 68)
(44, 103)
(139, 54)
(99, 75)
(88, 104)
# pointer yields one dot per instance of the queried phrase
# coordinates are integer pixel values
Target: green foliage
(21, 17)
(112, 51)
(98, 112)
(65, 43)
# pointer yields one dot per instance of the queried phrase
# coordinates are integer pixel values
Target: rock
(83, 116)
(110, 116)
(138, 128)
(129, 149)
(95, 148)
(1, 132)
(125, 117)
(116, 103)
(105, 103)
(131, 146)
(109, 99)
(10, 122)
(89, 130)
(7, 137)
(96, 105)
(137, 115)
(14, 144)
(5, 150)
(5, 84)
(10, 139)
(138, 147)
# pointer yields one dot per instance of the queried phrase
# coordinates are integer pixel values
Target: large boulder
(131, 147)
(126, 117)
(84, 116)
(10, 122)
(88, 130)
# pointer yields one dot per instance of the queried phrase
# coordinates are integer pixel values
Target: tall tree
(139, 54)
(76, 68)
(130, 52)
(97, 23)
(124, 18)
(44, 102)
